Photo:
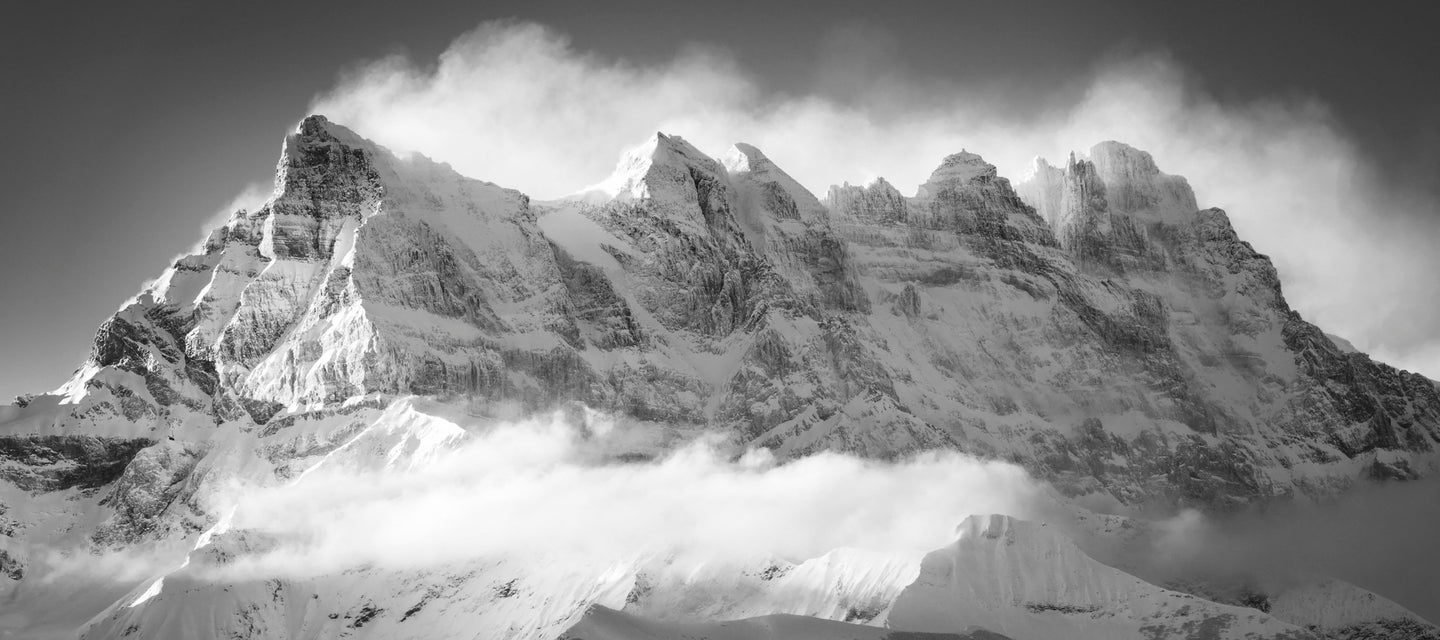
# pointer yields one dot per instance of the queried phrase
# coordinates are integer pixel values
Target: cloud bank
(564, 491)
(563, 488)
(518, 105)
(542, 487)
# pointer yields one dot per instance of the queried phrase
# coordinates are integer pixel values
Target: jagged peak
(1039, 169)
(878, 183)
(843, 194)
(965, 157)
(881, 183)
(745, 158)
(1112, 153)
(628, 180)
(962, 167)
(1079, 169)
(1131, 181)
(317, 130)
(957, 169)
(662, 148)
(1135, 184)
(746, 163)
(312, 124)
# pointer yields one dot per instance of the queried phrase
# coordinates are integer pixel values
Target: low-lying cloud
(542, 487)
(1378, 536)
(425, 489)
(517, 104)
(564, 488)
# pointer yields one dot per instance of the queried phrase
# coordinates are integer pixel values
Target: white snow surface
(1026, 580)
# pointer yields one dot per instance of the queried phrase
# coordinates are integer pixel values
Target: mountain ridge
(760, 262)
(1090, 324)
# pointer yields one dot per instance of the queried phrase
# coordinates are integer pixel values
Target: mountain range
(1090, 324)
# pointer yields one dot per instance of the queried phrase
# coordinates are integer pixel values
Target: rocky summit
(1089, 323)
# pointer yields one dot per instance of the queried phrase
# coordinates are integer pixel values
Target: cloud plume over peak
(518, 104)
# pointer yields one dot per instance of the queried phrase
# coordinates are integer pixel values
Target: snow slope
(1026, 580)
(601, 623)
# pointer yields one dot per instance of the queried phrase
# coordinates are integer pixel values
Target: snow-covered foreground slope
(1026, 580)
(601, 623)
(1091, 325)
(535, 597)
(1343, 611)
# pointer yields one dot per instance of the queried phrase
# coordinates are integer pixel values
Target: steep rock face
(1043, 187)
(879, 203)
(1077, 205)
(716, 293)
(363, 274)
(1000, 343)
(323, 189)
(365, 277)
(56, 463)
(1134, 184)
(1243, 365)
(696, 267)
(792, 229)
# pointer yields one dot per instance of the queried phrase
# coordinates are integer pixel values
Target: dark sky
(125, 126)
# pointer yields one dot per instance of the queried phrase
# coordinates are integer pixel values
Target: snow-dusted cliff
(1091, 324)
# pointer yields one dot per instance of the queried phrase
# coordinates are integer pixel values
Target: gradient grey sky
(125, 127)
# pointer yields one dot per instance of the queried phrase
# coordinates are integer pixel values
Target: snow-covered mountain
(1090, 324)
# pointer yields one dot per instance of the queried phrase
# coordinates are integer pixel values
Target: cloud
(567, 488)
(251, 197)
(558, 488)
(517, 104)
(545, 487)
(56, 565)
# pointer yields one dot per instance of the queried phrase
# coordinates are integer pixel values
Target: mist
(517, 104)
(1381, 537)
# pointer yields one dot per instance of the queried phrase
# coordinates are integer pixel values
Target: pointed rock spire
(1098, 206)
(1041, 187)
